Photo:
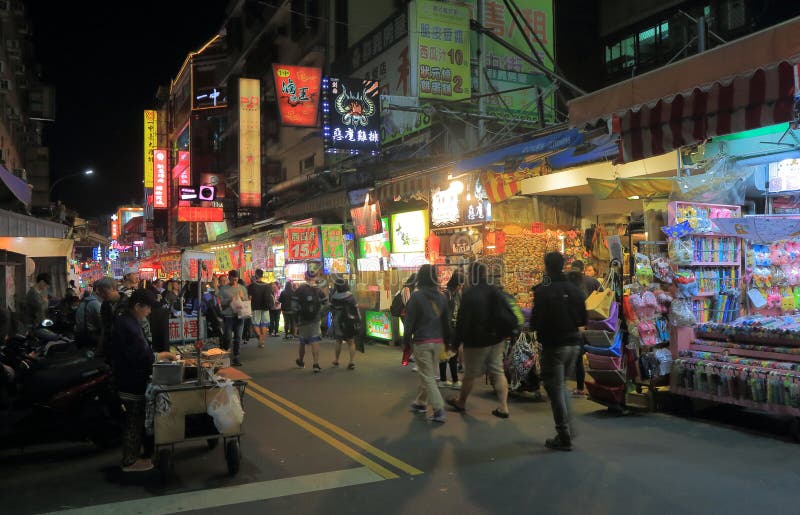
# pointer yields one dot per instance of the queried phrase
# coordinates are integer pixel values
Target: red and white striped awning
(404, 189)
(761, 98)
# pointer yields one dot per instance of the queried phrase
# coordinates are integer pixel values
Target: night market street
(474, 463)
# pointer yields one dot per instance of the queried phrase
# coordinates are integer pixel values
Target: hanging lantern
(494, 242)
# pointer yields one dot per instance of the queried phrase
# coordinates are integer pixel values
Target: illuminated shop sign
(378, 325)
(249, 143)
(160, 179)
(181, 172)
(409, 231)
(351, 116)
(302, 243)
(200, 214)
(367, 220)
(209, 98)
(298, 92)
(457, 206)
(150, 144)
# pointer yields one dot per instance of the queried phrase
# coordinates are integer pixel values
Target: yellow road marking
(358, 442)
(349, 451)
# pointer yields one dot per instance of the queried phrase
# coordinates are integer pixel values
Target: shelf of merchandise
(759, 406)
(712, 264)
(747, 353)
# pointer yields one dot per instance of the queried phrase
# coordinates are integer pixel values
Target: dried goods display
(523, 261)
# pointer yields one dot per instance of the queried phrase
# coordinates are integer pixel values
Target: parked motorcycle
(50, 390)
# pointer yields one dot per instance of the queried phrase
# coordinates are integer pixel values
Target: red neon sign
(298, 90)
(160, 179)
(200, 214)
(182, 171)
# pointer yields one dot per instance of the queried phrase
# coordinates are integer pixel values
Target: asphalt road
(344, 441)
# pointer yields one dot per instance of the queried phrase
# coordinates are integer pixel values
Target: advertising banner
(378, 325)
(181, 171)
(302, 243)
(260, 253)
(298, 92)
(249, 143)
(367, 220)
(189, 329)
(378, 245)
(332, 241)
(409, 231)
(352, 123)
(440, 44)
(200, 214)
(150, 144)
(160, 179)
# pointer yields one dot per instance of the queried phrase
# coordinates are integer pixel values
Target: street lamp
(85, 172)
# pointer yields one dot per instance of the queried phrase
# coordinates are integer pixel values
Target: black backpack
(348, 319)
(398, 307)
(308, 303)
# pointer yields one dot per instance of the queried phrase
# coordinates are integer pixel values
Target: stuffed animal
(788, 303)
(774, 299)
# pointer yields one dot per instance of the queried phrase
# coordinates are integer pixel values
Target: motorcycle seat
(44, 382)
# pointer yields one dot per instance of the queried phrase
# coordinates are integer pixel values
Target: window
(307, 164)
(5, 85)
(620, 55)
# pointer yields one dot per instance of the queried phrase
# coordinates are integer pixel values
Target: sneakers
(236, 363)
(418, 408)
(351, 366)
(456, 385)
(317, 368)
(438, 416)
(335, 364)
(299, 363)
(260, 345)
(414, 368)
(141, 465)
(559, 443)
(445, 384)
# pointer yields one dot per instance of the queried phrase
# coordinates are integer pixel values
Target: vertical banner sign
(298, 92)
(351, 118)
(439, 48)
(332, 241)
(302, 243)
(150, 143)
(160, 179)
(249, 143)
(182, 169)
(367, 220)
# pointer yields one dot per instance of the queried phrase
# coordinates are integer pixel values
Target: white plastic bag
(226, 409)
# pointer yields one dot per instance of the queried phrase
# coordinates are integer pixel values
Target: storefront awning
(403, 189)
(632, 188)
(541, 145)
(745, 84)
(38, 247)
(306, 208)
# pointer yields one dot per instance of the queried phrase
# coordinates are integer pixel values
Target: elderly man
(113, 304)
(36, 301)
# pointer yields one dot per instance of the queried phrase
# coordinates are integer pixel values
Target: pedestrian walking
(453, 294)
(400, 300)
(483, 347)
(346, 320)
(578, 275)
(230, 295)
(427, 327)
(311, 303)
(261, 299)
(558, 313)
(288, 309)
(275, 310)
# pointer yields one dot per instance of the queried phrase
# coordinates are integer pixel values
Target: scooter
(51, 396)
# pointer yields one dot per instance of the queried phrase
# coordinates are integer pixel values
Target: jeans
(233, 324)
(289, 323)
(453, 363)
(558, 362)
(274, 318)
(580, 372)
(133, 433)
(427, 359)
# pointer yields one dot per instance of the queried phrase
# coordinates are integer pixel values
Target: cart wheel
(212, 443)
(165, 463)
(795, 429)
(232, 456)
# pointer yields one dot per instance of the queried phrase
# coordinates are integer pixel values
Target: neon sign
(297, 89)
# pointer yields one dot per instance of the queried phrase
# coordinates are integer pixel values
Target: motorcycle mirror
(47, 323)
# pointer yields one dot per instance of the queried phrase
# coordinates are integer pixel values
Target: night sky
(106, 61)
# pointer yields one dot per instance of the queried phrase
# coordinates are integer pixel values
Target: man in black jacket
(483, 349)
(559, 313)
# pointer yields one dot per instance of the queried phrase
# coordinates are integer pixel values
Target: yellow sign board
(150, 144)
(249, 143)
(440, 55)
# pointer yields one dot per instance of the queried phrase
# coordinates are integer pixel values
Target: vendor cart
(186, 420)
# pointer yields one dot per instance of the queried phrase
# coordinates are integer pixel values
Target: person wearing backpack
(483, 320)
(453, 294)
(311, 303)
(286, 300)
(346, 320)
(261, 299)
(559, 311)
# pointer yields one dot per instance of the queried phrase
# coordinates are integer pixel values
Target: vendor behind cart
(133, 361)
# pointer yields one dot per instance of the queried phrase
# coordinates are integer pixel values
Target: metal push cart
(187, 421)
(187, 418)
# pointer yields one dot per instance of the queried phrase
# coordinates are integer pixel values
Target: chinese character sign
(440, 59)
(409, 231)
(367, 220)
(150, 143)
(249, 143)
(160, 179)
(298, 91)
(351, 115)
(182, 171)
(332, 241)
(302, 243)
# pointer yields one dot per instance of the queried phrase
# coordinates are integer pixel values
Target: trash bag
(226, 409)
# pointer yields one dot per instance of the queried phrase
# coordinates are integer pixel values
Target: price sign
(302, 243)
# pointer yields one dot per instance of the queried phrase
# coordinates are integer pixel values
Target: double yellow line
(282, 406)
